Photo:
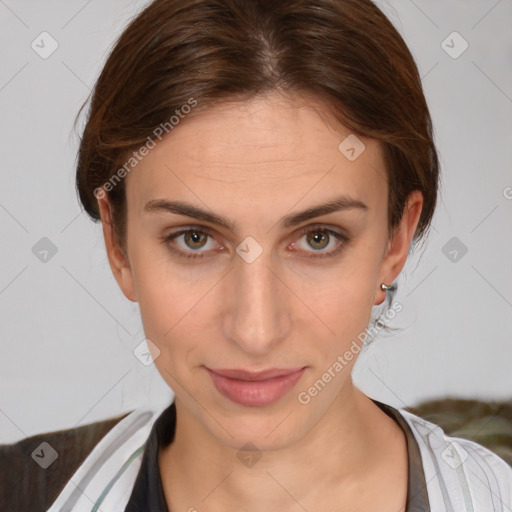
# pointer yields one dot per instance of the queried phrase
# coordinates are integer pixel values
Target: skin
(254, 162)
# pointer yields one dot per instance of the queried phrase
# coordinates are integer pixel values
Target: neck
(333, 458)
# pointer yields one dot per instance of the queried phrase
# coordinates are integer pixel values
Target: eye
(319, 238)
(193, 240)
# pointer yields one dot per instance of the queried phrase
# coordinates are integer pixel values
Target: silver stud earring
(385, 287)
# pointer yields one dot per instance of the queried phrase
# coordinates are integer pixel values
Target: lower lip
(252, 393)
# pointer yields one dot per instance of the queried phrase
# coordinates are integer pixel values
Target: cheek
(174, 308)
(164, 304)
(345, 308)
(161, 297)
(165, 309)
(345, 300)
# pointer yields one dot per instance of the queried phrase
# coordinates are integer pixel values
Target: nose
(256, 318)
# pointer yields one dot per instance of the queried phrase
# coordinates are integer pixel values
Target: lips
(255, 376)
(254, 389)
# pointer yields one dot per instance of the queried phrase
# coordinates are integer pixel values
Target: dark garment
(25, 486)
(148, 494)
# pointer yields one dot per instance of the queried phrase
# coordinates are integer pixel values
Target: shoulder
(34, 470)
(459, 471)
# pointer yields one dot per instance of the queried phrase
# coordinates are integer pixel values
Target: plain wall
(67, 332)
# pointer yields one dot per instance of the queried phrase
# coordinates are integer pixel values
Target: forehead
(264, 151)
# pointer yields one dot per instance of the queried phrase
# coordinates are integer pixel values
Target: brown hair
(344, 52)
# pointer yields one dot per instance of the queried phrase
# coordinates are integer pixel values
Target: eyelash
(206, 231)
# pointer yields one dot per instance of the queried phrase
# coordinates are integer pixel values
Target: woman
(261, 172)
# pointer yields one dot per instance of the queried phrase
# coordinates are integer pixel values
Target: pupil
(317, 238)
(195, 236)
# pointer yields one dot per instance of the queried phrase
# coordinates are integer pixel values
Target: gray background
(67, 332)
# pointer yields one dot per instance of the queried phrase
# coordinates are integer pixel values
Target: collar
(148, 494)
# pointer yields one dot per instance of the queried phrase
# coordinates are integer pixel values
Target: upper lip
(255, 376)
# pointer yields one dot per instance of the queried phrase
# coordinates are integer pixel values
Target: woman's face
(271, 287)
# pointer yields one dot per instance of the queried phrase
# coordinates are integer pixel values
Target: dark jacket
(25, 485)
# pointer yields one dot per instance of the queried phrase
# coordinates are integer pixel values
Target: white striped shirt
(460, 475)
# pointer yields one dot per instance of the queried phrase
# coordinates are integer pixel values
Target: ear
(398, 247)
(118, 261)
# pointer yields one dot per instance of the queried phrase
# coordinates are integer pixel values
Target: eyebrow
(189, 210)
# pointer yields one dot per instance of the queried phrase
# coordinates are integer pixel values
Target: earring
(385, 287)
